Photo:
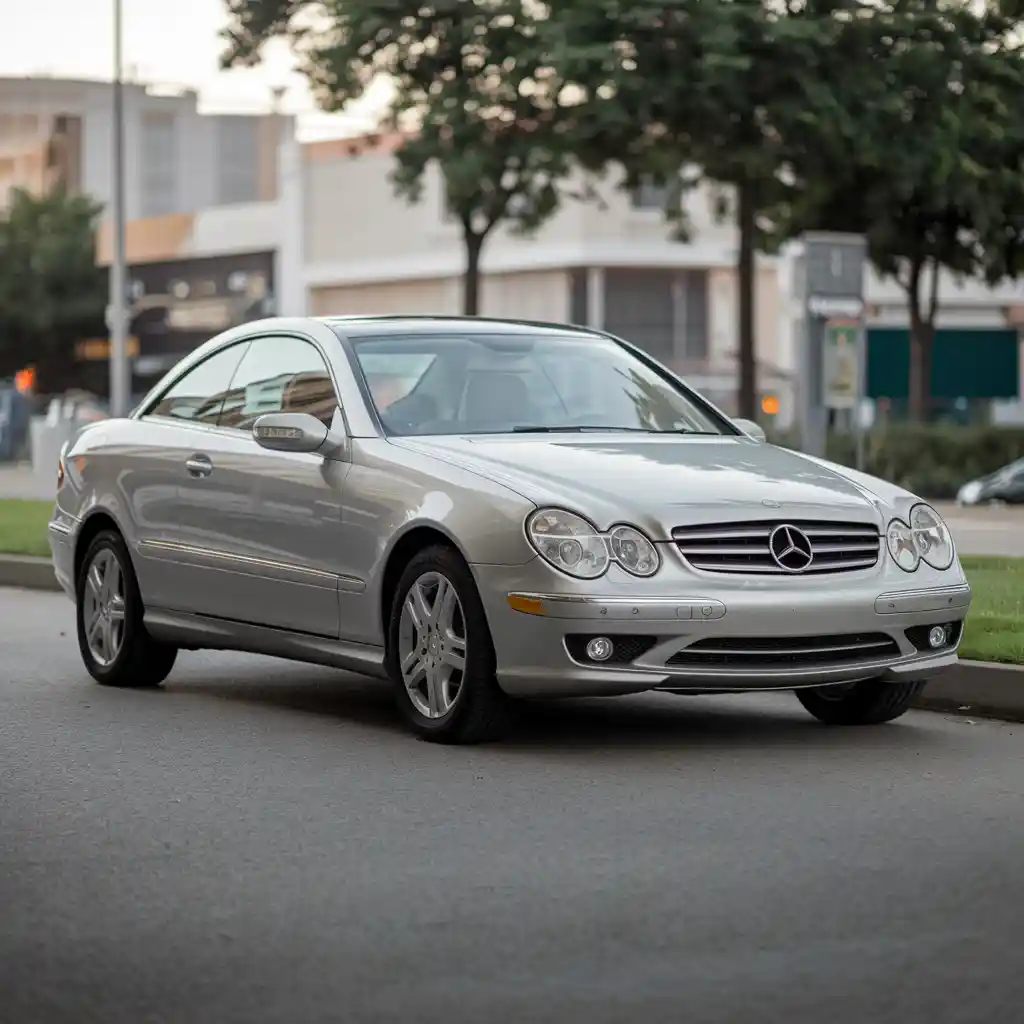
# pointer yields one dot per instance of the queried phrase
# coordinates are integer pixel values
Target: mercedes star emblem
(791, 548)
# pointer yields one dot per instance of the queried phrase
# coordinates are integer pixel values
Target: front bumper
(61, 531)
(698, 634)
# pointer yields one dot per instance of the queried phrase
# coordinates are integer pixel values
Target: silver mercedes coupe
(485, 511)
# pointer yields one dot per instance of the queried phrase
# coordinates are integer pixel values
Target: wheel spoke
(444, 602)
(455, 652)
(95, 582)
(435, 693)
(112, 580)
(412, 667)
(418, 608)
(94, 630)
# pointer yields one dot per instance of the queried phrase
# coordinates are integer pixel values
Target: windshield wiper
(529, 429)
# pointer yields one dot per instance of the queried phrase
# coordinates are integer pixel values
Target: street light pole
(118, 321)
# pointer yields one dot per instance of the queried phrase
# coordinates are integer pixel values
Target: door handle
(199, 465)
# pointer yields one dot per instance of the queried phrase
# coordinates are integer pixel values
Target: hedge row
(933, 460)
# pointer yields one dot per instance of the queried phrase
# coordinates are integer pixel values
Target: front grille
(744, 547)
(786, 652)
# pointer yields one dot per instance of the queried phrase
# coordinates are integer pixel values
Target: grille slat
(744, 547)
(779, 652)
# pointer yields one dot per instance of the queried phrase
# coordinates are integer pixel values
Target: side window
(279, 374)
(199, 395)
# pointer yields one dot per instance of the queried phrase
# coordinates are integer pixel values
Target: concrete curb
(27, 572)
(971, 688)
(979, 688)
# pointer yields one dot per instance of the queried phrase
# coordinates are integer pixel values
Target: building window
(664, 312)
(237, 160)
(159, 165)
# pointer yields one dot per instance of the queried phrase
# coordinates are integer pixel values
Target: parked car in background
(482, 511)
(1005, 485)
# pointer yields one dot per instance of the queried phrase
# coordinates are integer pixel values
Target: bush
(933, 460)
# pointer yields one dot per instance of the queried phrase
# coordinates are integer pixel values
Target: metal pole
(862, 387)
(119, 374)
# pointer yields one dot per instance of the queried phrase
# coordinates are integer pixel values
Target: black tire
(867, 703)
(480, 711)
(140, 661)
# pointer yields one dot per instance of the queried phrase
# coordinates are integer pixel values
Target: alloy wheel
(103, 609)
(432, 645)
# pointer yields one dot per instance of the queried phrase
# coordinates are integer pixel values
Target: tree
(51, 291)
(936, 178)
(729, 89)
(470, 86)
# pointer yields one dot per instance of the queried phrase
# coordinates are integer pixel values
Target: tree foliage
(893, 119)
(51, 291)
(470, 85)
(730, 90)
(897, 119)
(936, 178)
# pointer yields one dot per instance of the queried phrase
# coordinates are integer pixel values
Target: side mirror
(296, 432)
(752, 429)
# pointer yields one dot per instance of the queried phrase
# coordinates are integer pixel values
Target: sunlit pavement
(263, 842)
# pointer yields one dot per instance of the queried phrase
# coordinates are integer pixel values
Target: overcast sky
(171, 42)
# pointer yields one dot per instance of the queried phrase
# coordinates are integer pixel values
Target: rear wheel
(866, 703)
(115, 646)
(440, 653)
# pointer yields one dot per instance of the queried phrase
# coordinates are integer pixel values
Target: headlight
(899, 538)
(633, 551)
(568, 542)
(575, 546)
(932, 538)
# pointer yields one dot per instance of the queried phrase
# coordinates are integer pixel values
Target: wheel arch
(95, 522)
(413, 540)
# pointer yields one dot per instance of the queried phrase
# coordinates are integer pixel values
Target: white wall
(357, 230)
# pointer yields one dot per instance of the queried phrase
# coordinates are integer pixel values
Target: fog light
(937, 636)
(600, 648)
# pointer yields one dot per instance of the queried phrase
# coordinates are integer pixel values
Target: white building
(176, 159)
(611, 265)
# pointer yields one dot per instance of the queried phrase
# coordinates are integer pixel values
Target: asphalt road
(985, 529)
(263, 842)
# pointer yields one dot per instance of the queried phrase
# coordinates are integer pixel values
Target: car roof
(397, 324)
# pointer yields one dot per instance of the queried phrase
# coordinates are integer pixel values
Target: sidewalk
(18, 481)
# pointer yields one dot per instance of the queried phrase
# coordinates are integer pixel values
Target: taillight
(60, 471)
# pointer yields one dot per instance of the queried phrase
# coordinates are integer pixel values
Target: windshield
(485, 384)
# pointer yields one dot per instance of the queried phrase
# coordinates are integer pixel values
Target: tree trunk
(471, 276)
(922, 338)
(746, 214)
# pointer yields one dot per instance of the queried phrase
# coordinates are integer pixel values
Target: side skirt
(185, 629)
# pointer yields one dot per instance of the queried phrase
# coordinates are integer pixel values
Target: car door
(185, 494)
(290, 533)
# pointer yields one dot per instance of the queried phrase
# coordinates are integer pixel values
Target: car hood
(665, 482)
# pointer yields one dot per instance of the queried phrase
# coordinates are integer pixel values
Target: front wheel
(440, 653)
(115, 645)
(866, 703)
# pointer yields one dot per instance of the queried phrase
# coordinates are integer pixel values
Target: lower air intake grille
(783, 652)
(746, 547)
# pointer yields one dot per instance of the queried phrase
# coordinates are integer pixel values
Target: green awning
(966, 363)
